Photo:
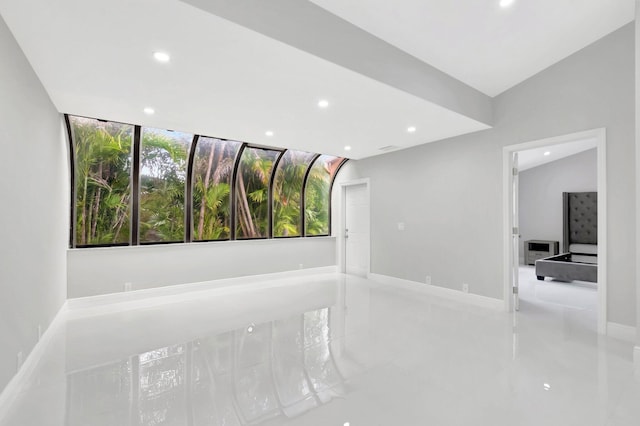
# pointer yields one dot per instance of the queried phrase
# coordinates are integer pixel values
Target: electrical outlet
(39, 332)
(428, 280)
(400, 226)
(301, 266)
(19, 360)
(127, 286)
(465, 287)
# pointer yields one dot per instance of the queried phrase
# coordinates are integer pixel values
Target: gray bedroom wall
(540, 196)
(449, 193)
(35, 207)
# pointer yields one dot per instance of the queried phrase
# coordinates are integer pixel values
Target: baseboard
(621, 332)
(443, 292)
(24, 374)
(106, 303)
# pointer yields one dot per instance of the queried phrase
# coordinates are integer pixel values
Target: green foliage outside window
(287, 193)
(252, 192)
(212, 170)
(103, 187)
(163, 173)
(318, 193)
(102, 178)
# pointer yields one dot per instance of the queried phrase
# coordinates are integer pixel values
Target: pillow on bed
(584, 248)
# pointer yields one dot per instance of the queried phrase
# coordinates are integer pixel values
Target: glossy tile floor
(335, 350)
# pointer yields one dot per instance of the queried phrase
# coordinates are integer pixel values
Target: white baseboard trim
(106, 303)
(443, 292)
(26, 371)
(621, 332)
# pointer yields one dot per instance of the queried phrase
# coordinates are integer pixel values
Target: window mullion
(303, 226)
(274, 169)
(188, 199)
(135, 187)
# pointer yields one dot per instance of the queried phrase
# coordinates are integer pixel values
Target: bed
(580, 241)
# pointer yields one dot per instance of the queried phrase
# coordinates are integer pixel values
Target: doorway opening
(513, 247)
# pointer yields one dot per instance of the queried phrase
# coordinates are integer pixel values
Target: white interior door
(356, 232)
(515, 235)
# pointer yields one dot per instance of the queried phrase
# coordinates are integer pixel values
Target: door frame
(341, 246)
(600, 136)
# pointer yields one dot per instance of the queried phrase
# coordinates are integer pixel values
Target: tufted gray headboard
(580, 218)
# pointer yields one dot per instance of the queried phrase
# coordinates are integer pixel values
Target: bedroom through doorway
(555, 251)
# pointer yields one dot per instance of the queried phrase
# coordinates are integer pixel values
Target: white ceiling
(535, 157)
(95, 59)
(224, 80)
(481, 44)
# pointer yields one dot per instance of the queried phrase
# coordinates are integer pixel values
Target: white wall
(449, 193)
(540, 195)
(637, 182)
(105, 270)
(34, 209)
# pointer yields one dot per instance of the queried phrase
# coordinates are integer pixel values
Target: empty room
(319, 212)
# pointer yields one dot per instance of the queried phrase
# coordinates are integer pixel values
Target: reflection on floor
(331, 350)
(577, 299)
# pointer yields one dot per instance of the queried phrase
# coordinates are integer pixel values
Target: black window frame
(134, 206)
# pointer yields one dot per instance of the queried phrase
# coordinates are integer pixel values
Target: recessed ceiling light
(547, 386)
(506, 3)
(250, 328)
(161, 56)
(149, 111)
(547, 153)
(268, 133)
(347, 148)
(323, 103)
(411, 129)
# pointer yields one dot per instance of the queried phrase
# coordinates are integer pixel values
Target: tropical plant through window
(318, 194)
(212, 170)
(102, 181)
(163, 173)
(105, 193)
(252, 192)
(287, 193)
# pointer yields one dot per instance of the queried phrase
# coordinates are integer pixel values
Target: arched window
(317, 214)
(102, 176)
(135, 185)
(163, 175)
(212, 171)
(253, 178)
(287, 193)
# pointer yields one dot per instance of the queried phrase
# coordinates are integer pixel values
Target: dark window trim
(103, 245)
(303, 196)
(159, 243)
(232, 193)
(72, 176)
(253, 239)
(134, 239)
(210, 241)
(188, 194)
(135, 187)
(102, 120)
(272, 182)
